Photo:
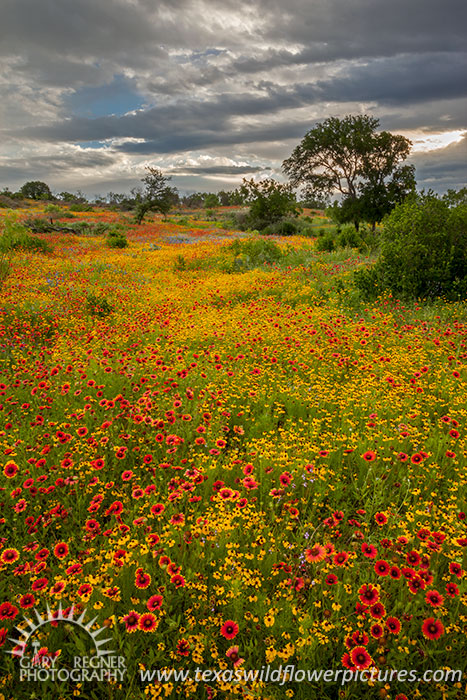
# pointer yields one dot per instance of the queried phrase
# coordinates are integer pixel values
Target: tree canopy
(157, 195)
(269, 201)
(350, 157)
(35, 189)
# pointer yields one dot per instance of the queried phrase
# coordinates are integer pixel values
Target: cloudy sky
(211, 91)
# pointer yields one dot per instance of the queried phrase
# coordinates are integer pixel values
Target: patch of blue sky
(91, 144)
(118, 97)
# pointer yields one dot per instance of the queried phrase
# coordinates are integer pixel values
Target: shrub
(250, 254)
(326, 243)
(241, 220)
(349, 237)
(33, 244)
(116, 239)
(423, 251)
(98, 305)
(89, 228)
(15, 237)
(38, 224)
(270, 201)
(52, 209)
(7, 202)
(179, 264)
(287, 227)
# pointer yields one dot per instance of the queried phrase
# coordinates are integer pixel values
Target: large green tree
(36, 189)
(349, 156)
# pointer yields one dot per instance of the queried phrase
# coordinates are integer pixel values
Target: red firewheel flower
(142, 580)
(377, 611)
(148, 622)
(368, 594)
(183, 647)
(360, 658)
(376, 631)
(369, 456)
(393, 624)
(369, 551)
(432, 629)
(10, 470)
(178, 581)
(131, 621)
(315, 554)
(27, 600)
(452, 590)
(456, 569)
(61, 550)
(154, 603)
(9, 556)
(382, 568)
(340, 558)
(229, 629)
(381, 518)
(434, 599)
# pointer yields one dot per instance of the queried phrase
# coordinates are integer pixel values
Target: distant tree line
(347, 157)
(40, 191)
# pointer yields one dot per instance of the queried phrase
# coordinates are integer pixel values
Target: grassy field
(213, 445)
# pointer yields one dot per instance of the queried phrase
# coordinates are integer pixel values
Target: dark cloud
(219, 77)
(191, 124)
(404, 80)
(369, 27)
(443, 168)
(53, 167)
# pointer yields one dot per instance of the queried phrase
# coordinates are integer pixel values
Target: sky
(212, 91)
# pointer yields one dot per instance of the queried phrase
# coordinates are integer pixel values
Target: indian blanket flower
(316, 554)
(432, 629)
(229, 629)
(148, 622)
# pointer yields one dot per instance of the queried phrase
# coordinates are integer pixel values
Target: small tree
(269, 201)
(35, 189)
(71, 198)
(211, 200)
(156, 195)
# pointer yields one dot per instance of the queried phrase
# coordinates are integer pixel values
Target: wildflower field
(211, 445)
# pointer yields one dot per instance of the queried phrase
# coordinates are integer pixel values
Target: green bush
(423, 251)
(91, 228)
(116, 239)
(53, 209)
(288, 227)
(349, 237)
(37, 224)
(33, 244)
(16, 237)
(241, 220)
(250, 254)
(326, 243)
(179, 264)
(98, 305)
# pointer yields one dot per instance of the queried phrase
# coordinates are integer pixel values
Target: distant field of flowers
(209, 445)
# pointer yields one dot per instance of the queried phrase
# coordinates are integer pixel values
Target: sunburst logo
(53, 618)
(104, 665)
